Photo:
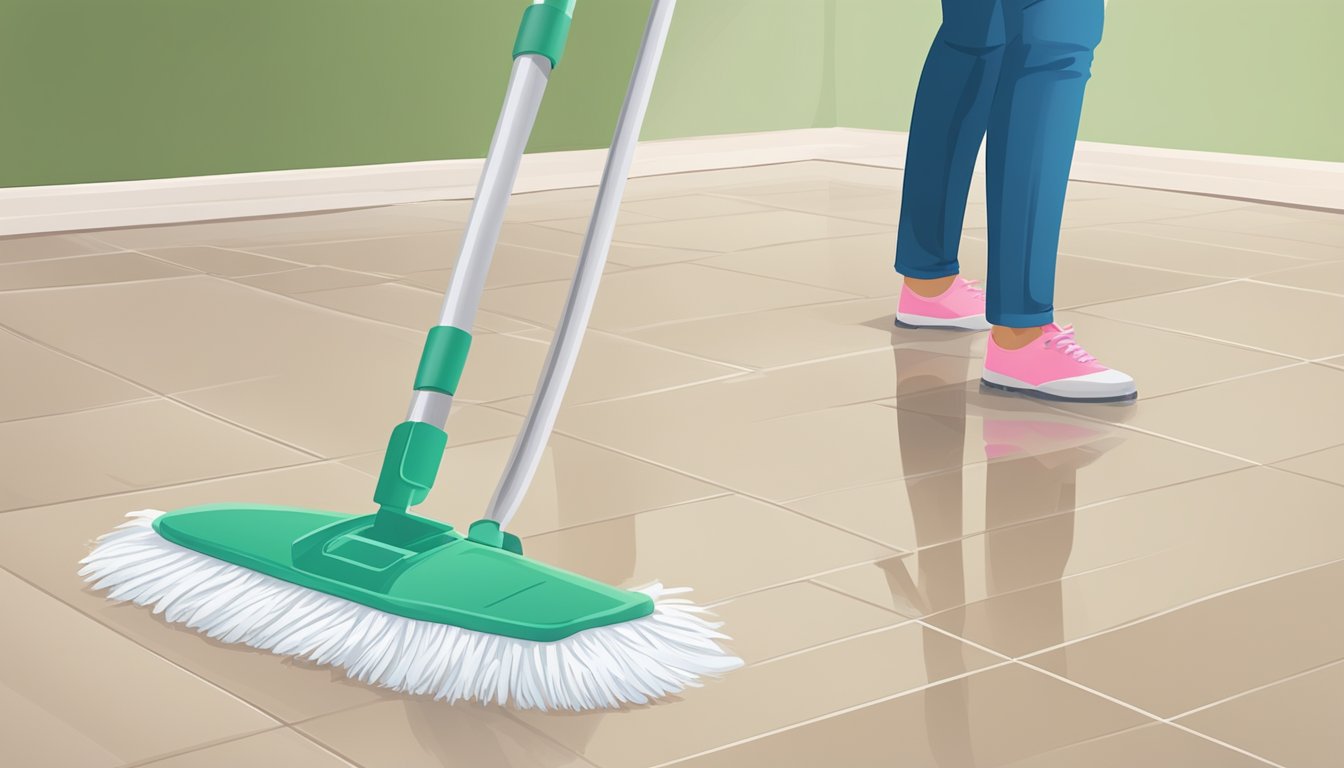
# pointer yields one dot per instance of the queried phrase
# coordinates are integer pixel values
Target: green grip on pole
(544, 28)
(442, 361)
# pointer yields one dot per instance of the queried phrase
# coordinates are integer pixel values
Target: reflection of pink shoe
(961, 306)
(1054, 367)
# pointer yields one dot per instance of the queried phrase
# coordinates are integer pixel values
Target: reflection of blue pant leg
(952, 109)
(1032, 129)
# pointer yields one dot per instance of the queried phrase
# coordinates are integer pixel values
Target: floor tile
(35, 247)
(44, 545)
(720, 547)
(784, 336)
(757, 634)
(384, 256)
(1177, 229)
(1156, 744)
(306, 279)
(579, 224)
(1040, 466)
(787, 457)
(860, 265)
(413, 308)
(764, 395)
(1084, 282)
(575, 484)
(694, 206)
(1267, 424)
(1215, 649)
(221, 261)
(278, 747)
(124, 448)
(1152, 250)
(1294, 723)
(766, 697)
(537, 237)
(1221, 312)
(993, 718)
(672, 293)
(72, 709)
(609, 366)
(722, 234)
(841, 201)
(200, 332)
(84, 270)
(427, 734)
(1327, 465)
(49, 383)
(1328, 276)
(1326, 228)
(512, 265)
(629, 255)
(1033, 586)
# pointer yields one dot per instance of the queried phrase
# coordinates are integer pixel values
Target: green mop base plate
(407, 566)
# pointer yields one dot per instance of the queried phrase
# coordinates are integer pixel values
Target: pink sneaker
(1054, 367)
(961, 306)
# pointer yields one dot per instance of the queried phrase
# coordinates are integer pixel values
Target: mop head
(631, 662)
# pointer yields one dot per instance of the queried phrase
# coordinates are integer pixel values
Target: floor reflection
(1033, 456)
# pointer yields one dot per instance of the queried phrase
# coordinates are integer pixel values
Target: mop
(410, 603)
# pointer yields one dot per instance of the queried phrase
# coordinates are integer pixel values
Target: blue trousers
(1011, 73)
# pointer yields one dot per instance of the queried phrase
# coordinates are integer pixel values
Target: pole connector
(544, 29)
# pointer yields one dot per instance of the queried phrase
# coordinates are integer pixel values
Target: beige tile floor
(916, 573)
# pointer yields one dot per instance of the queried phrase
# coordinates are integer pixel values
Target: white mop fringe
(631, 663)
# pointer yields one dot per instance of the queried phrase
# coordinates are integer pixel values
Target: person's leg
(951, 114)
(1032, 130)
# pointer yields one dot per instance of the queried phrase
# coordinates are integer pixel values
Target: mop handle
(416, 445)
(564, 350)
(536, 51)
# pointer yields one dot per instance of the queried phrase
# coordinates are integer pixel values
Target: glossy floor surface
(917, 573)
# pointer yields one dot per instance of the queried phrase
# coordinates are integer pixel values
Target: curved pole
(564, 351)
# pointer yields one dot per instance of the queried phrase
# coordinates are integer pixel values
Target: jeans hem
(1032, 320)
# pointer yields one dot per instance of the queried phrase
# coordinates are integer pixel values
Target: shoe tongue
(1055, 328)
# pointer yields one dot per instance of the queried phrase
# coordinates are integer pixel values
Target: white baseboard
(67, 207)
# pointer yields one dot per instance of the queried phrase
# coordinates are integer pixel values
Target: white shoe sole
(1092, 388)
(968, 323)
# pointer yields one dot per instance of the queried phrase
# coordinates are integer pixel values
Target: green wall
(1243, 76)
(101, 90)
(104, 90)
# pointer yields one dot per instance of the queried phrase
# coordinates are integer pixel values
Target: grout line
(1258, 688)
(903, 622)
(971, 643)
(100, 284)
(1145, 713)
(141, 646)
(177, 485)
(1187, 604)
(727, 489)
(832, 715)
(1090, 311)
(1277, 468)
(1254, 280)
(150, 761)
(170, 398)
(323, 745)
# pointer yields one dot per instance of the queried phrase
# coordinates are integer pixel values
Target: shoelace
(1064, 342)
(974, 287)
